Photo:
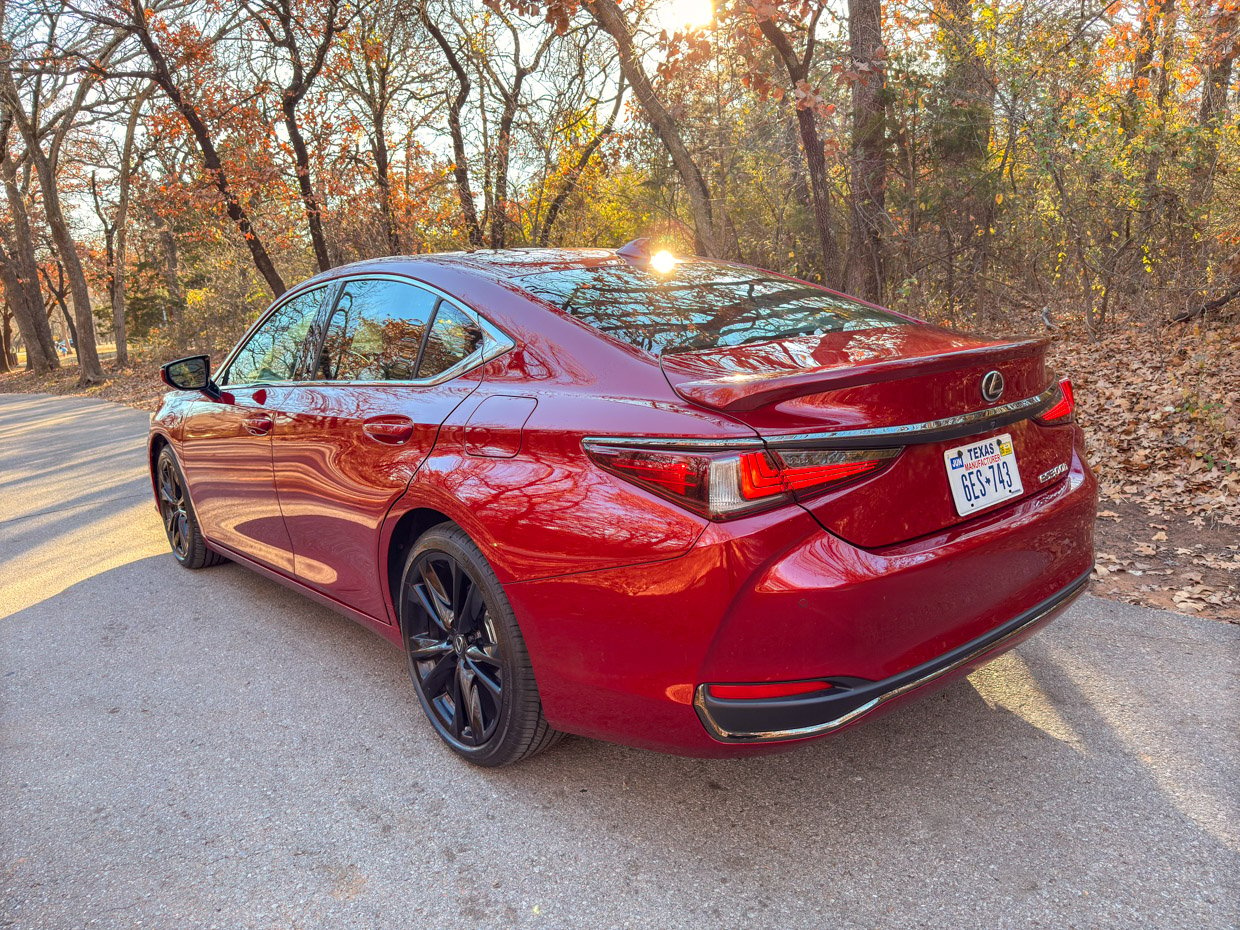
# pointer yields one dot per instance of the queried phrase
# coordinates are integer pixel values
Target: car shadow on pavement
(194, 718)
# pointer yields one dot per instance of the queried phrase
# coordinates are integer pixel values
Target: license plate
(983, 474)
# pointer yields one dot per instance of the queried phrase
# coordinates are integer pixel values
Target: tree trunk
(820, 193)
(962, 130)
(171, 273)
(21, 274)
(574, 175)
(503, 148)
(8, 358)
(120, 223)
(1219, 54)
(41, 354)
(383, 179)
(305, 186)
(460, 158)
(868, 168)
(798, 69)
(211, 162)
(90, 371)
(708, 228)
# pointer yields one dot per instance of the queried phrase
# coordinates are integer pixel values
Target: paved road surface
(187, 750)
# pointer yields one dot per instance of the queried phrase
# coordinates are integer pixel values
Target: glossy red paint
(627, 601)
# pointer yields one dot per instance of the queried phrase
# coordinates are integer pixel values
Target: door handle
(389, 430)
(258, 426)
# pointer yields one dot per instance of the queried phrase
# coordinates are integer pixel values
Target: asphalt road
(189, 750)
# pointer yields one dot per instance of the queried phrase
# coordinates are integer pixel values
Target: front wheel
(189, 546)
(467, 658)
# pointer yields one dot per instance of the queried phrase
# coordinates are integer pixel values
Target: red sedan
(680, 504)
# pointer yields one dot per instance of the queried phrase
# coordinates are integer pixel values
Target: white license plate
(983, 473)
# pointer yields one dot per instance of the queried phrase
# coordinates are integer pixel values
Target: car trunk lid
(915, 386)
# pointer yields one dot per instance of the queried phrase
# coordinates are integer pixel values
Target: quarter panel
(546, 511)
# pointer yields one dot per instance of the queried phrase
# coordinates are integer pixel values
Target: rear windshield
(699, 305)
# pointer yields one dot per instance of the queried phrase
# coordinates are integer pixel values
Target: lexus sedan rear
(680, 504)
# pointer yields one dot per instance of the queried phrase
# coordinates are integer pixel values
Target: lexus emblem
(992, 386)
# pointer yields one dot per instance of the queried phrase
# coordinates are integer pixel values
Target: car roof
(501, 264)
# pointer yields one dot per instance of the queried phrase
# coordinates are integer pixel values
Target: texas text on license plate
(983, 473)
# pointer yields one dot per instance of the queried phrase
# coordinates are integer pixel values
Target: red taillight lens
(768, 689)
(682, 475)
(723, 484)
(1061, 412)
(760, 478)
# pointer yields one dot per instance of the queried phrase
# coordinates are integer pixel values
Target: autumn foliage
(1000, 164)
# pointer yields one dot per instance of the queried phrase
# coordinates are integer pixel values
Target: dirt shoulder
(1161, 411)
(137, 386)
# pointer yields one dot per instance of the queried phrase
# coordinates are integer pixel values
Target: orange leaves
(807, 97)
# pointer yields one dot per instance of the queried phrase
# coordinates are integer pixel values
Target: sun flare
(691, 14)
(663, 261)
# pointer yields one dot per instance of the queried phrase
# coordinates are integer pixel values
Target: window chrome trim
(885, 437)
(496, 341)
(984, 646)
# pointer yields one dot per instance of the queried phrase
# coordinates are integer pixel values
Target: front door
(226, 443)
(347, 445)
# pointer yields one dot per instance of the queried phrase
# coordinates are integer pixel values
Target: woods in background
(170, 166)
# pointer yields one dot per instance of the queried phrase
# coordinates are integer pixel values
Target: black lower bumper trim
(797, 717)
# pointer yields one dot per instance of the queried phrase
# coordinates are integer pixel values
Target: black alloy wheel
(466, 655)
(189, 547)
(454, 653)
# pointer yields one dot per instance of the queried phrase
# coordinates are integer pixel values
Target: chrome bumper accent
(956, 659)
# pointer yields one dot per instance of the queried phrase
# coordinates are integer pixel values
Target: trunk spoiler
(751, 390)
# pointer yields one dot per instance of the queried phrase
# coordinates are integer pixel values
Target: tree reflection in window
(375, 332)
(454, 337)
(699, 305)
(276, 351)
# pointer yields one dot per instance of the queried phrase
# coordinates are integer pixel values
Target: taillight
(1061, 411)
(720, 485)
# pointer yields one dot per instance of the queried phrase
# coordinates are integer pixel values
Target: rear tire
(467, 657)
(189, 546)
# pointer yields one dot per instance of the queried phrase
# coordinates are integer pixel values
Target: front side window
(376, 331)
(699, 305)
(276, 351)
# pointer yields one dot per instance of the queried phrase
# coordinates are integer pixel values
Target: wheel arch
(154, 446)
(405, 531)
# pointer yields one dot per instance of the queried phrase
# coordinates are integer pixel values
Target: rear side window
(276, 351)
(699, 305)
(453, 338)
(375, 332)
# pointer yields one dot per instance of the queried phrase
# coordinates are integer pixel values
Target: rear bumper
(620, 654)
(790, 718)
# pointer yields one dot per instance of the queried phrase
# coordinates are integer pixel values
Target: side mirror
(190, 374)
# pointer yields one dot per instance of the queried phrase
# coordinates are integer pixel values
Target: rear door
(395, 360)
(227, 442)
